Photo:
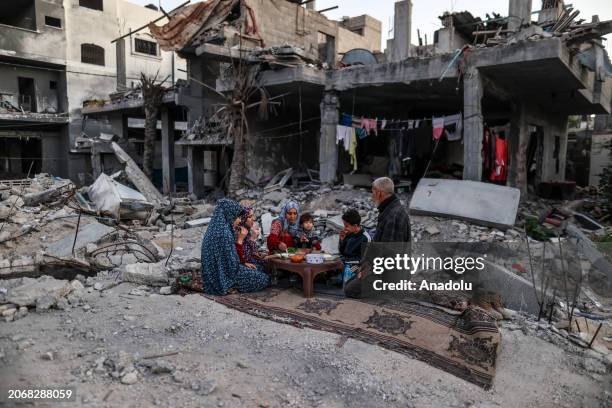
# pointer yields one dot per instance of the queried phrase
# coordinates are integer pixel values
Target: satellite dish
(359, 56)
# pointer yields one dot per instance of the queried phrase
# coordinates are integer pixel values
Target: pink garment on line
(369, 125)
(438, 127)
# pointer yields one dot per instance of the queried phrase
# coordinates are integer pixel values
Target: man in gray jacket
(393, 226)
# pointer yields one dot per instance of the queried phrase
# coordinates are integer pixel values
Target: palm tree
(152, 95)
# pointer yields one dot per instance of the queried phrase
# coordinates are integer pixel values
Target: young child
(352, 236)
(240, 247)
(306, 236)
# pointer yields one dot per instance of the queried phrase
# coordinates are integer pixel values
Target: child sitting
(306, 236)
(242, 233)
(352, 236)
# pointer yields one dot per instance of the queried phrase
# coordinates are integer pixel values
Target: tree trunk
(238, 167)
(151, 113)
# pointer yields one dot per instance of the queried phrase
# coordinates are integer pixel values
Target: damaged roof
(189, 21)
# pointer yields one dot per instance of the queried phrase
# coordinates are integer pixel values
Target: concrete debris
(200, 222)
(146, 274)
(87, 234)
(119, 201)
(138, 178)
(30, 291)
(480, 203)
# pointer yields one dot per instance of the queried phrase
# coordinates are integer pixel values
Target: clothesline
(424, 119)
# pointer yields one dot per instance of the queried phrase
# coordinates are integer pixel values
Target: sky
(425, 12)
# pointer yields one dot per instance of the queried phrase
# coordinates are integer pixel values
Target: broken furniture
(307, 271)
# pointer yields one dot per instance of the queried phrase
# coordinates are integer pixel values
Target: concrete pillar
(554, 149)
(472, 125)
(519, 14)
(518, 142)
(402, 28)
(96, 159)
(167, 152)
(328, 149)
(195, 170)
(119, 126)
(121, 65)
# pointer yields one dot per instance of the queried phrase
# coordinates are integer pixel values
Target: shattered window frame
(92, 54)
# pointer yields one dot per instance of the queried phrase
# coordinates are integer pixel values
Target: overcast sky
(425, 12)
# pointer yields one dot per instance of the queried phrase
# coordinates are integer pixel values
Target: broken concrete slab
(138, 178)
(89, 233)
(30, 290)
(151, 274)
(200, 222)
(279, 180)
(275, 196)
(335, 223)
(480, 203)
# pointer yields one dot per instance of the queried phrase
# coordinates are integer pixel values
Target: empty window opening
(145, 47)
(27, 94)
(92, 54)
(52, 84)
(20, 14)
(92, 4)
(53, 22)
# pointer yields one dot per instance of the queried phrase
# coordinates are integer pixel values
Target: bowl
(314, 259)
(296, 258)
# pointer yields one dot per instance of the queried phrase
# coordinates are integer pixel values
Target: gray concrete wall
(402, 30)
(47, 99)
(600, 156)
(283, 22)
(46, 44)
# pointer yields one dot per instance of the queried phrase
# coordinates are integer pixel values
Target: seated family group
(233, 262)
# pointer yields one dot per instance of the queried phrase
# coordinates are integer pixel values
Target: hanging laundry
(383, 124)
(369, 125)
(346, 120)
(453, 125)
(353, 150)
(344, 134)
(438, 127)
(361, 133)
(500, 168)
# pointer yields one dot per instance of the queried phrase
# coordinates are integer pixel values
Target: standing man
(393, 226)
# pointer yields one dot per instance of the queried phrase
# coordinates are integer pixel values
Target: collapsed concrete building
(505, 80)
(56, 56)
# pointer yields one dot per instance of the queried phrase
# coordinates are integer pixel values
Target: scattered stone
(32, 289)
(21, 313)
(203, 387)
(77, 285)
(48, 356)
(147, 274)
(98, 286)
(431, 230)
(130, 378)
(166, 290)
(45, 302)
(9, 312)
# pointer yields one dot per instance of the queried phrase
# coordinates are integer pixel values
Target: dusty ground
(227, 358)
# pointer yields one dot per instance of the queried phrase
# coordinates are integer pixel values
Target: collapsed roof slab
(31, 117)
(294, 75)
(541, 70)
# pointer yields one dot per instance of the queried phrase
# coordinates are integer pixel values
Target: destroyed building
(55, 57)
(506, 81)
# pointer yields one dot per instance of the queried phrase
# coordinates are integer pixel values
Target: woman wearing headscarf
(285, 228)
(221, 267)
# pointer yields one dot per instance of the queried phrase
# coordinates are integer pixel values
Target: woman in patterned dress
(285, 228)
(221, 268)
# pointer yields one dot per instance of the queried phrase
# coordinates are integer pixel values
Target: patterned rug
(464, 344)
